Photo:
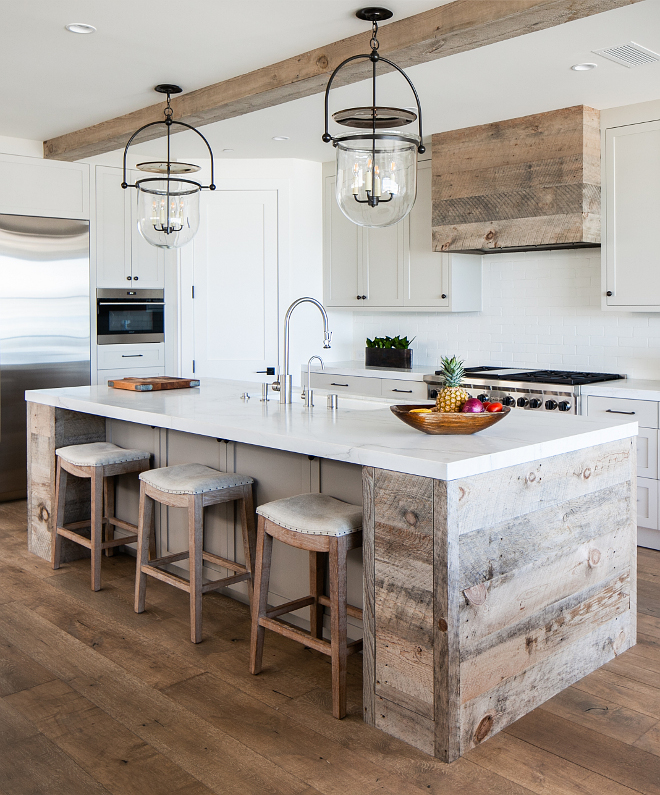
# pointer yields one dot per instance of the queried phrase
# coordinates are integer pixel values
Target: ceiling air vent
(629, 54)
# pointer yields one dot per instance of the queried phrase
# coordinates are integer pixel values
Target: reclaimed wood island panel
(492, 593)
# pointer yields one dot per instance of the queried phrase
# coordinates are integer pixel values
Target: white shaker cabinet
(631, 199)
(122, 254)
(394, 267)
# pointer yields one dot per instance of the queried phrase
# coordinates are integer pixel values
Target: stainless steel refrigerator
(44, 325)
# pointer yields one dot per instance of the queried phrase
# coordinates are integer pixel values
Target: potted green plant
(392, 352)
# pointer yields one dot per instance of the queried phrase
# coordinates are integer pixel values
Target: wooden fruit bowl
(447, 423)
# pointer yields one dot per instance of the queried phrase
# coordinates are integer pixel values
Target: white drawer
(403, 390)
(647, 453)
(346, 384)
(118, 372)
(647, 503)
(644, 411)
(125, 356)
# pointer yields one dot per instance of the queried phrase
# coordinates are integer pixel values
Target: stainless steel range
(531, 390)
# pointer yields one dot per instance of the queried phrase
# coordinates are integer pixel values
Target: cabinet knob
(443, 296)
(609, 293)
(358, 297)
(135, 278)
(128, 278)
(363, 297)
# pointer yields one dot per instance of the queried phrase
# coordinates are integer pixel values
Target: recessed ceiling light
(280, 138)
(583, 67)
(80, 27)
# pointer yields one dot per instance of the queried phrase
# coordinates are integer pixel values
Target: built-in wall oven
(130, 316)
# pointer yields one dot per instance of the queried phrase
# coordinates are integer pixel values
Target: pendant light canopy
(168, 204)
(377, 167)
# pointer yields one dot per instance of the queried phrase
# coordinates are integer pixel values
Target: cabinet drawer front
(645, 412)
(346, 384)
(647, 453)
(130, 356)
(403, 390)
(647, 503)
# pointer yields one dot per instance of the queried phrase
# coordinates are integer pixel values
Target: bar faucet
(308, 392)
(285, 378)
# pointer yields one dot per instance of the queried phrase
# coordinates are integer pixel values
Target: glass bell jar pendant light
(168, 205)
(376, 167)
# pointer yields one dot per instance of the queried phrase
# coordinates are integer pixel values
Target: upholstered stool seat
(322, 525)
(100, 462)
(194, 487)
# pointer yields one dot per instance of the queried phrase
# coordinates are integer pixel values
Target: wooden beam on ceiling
(450, 29)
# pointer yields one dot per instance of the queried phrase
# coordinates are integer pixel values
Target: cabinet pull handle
(333, 384)
(132, 355)
(612, 411)
(409, 391)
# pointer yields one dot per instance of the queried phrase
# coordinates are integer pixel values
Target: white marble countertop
(416, 373)
(362, 432)
(637, 388)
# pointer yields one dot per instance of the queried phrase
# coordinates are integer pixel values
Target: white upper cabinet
(122, 254)
(631, 259)
(47, 188)
(394, 267)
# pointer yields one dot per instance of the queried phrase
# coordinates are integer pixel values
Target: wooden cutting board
(153, 384)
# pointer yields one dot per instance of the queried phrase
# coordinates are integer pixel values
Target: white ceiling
(79, 80)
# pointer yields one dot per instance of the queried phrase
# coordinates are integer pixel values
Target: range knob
(551, 405)
(482, 398)
(509, 401)
(433, 393)
(564, 405)
(523, 402)
(535, 403)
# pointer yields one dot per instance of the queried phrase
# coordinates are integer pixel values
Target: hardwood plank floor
(97, 699)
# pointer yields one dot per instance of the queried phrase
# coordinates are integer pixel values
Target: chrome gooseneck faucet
(285, 378)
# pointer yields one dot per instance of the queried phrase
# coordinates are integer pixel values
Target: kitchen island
(498, 568)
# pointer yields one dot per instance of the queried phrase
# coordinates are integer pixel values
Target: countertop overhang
(363, 432)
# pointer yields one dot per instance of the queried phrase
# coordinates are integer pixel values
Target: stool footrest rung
(66, 532)
(132, 528)
(355, 612)
(354, 646)
(166, 576)
(289, 607)
(169, 558)
(289, 631)
(220, 561)
(117, 542)
(213, 586)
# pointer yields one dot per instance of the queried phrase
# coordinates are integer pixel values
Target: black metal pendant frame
(168, 121)
(373, 15)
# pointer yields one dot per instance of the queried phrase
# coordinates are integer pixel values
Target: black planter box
(396, 358)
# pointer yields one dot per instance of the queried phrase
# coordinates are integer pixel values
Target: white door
(633, 209)
(426, 270)
(234, 273)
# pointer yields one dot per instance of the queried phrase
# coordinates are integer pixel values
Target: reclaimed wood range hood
(524, 184)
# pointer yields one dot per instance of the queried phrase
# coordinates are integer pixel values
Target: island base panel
(489, 595)
(50, 428)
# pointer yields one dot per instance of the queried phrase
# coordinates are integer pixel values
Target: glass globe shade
(376, 176)
(168, 211)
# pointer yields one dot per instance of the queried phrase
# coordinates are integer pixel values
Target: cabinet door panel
(147, 261)
(632, 212)
(647, 503)
(382, 264)
(426, 271)
(113, 264)
(647, 453)
(341, 253)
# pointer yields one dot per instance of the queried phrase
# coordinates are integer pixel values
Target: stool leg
(195, 545)
(260, 601)
(316, 576)
(97, 526)
(246, 507)
(338, 552)
(60, 503)
(144, 531)
(109, 512)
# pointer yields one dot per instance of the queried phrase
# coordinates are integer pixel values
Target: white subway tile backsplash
(540, 310)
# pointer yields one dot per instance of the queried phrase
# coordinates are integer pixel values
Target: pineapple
(452, 396)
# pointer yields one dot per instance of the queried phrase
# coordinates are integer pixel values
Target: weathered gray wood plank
(368, 618)
(411, 727)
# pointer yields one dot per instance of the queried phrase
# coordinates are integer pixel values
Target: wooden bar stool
(193, 486)
(100, 462)
(321, 525)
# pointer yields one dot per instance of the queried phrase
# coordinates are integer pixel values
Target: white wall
(21, 146)
(540, 309)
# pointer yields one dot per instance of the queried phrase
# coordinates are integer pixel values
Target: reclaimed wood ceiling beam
(456, 27)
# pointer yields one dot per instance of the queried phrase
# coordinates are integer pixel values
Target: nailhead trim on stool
(193, 486)
(100, 462)
(321, 525)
